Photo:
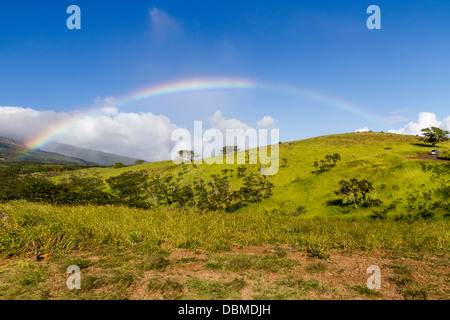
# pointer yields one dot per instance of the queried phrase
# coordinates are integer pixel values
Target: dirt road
(426, 156)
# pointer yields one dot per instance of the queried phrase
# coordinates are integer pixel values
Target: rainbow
(178, 87)
(193, 85)
(323, 99)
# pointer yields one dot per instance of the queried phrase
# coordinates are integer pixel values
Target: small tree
(118, 165)
(434, 135)
(229, 149)
(327, 164)
(357, 191)
(349, 190)
(138, 162)
(187, 155)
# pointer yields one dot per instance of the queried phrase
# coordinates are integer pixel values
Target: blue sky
(393, 74)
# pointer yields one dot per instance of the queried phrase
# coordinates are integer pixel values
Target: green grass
(317, 267)
(445, 155)
(243, 262)
(363, 290)
(215, 290)
(154, 263)
(169, 288)
(294, 288)
(53, 229)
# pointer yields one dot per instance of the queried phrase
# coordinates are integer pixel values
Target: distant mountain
(13, 150)
(102, 158)
(91, 156)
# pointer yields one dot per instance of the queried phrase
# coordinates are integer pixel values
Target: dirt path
(426, 156)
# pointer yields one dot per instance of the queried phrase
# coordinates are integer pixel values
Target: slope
(101, 158)
(385, 160)
(11, 150)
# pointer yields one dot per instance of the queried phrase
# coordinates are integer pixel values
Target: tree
(349, 190)
(357, 191)
(364, 187)
(229, 149)
(138, 162)
(187, 155)
(434, 135)
(118, 165)
(327, 164)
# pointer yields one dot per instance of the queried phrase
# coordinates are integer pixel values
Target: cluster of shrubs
(326, 164)
(137, 189)
(75, 190)
(182, 191)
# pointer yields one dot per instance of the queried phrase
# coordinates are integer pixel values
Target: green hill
(98, 157)
(385, 160)
(12, 150)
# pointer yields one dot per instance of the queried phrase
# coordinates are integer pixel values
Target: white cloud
(425, 120)
(163, 25)
(218, 121)
(266, 122)
(395, 119)
(365, 129)
(27, 122)
(104, 102)
(138, 135)
(446, 123)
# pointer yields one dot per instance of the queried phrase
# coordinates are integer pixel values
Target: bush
(327, 164)
(118, 165)
(130, 188)
(445, 155)
(136, 189)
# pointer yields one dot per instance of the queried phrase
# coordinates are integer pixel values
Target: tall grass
(61, 229)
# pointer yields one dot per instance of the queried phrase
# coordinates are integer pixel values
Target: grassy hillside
(381, 158)
(11, 150)
(98, 157)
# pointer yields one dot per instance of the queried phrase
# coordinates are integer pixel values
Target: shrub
(327, 164)
(445, 155)
(118, 165)
(315, 252)
(130, 188)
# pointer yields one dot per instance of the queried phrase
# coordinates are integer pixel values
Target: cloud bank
(365, 129)
(140, 135)
(424, 120)
(266, 122)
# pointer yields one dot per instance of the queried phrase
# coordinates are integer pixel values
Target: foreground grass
(250, 273)
(54, 229)
(128, 253)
